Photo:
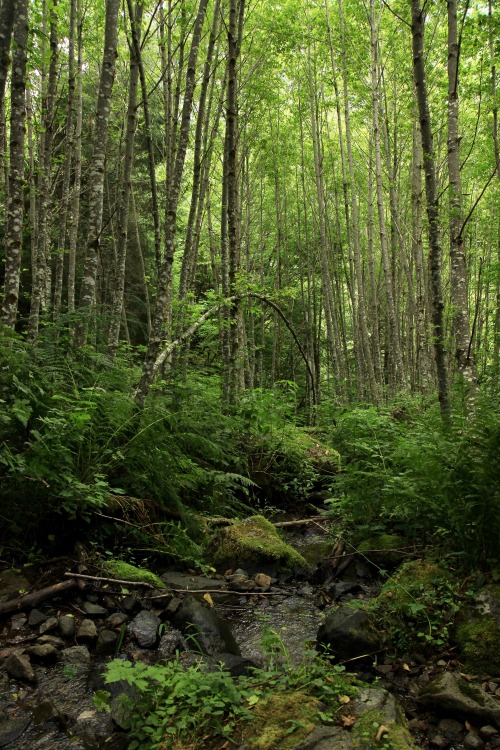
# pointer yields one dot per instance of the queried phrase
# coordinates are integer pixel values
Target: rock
(171, 642)
(473, 742)
(144, 628)
(18, 666)
(205, 629)
(342, 588)
(53, 640)
(106, 642)
(116, 620)
(235, 665)
(439, 742)
(75, 655)
(380, 700)
(12, 729)
(44, 652)
(131, 602)
(67, 626)
(94, 610)
(349, 633)
(451, 729)
(478, 632)
(48, 625)
(44, 712)
(452, 695)
(252, 544)
(326, 738)
(487, 732)
(262, 580)
(36, 618)
(18, 621)
(87, 632)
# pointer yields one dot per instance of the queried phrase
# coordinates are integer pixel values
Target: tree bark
(15, 206)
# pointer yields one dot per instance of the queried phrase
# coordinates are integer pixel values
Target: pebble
(451, 729)
(48, 625)
(18, 622)
(131, 602)
(87, 632)
(473, 742)
(44, 652)
(36, 618)
(106, 642)
(76, 655)
(487, 732)
(94, 610)
(116, 620)
(19, 667)
(67, 626)
(439, 741)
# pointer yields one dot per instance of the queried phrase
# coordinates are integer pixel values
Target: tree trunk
(15, 206)
(431, 191)
(97, 168)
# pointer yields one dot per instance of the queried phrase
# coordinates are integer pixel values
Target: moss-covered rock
(478, 632)
(281, 722)
(451, 695)
(126, 572)
(365, 733)
(252, 544)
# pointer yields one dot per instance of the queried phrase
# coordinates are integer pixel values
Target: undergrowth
(175, 705)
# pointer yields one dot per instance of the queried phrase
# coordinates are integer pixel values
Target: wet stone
(52, 639)
(49, 625)
(18, 622)
(487, 732)
(131, 602)
(451, 729)
(106, 642)
(94, 610)
(36, 618)
(44, 652)
(19, 667)
(116, 620)
(45, 711)
(473, 742)
(67, 626)
(87, 632)
(75, 655)
(439, 742)
(12, 729)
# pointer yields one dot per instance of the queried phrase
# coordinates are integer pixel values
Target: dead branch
(100, 579)
(37, 597)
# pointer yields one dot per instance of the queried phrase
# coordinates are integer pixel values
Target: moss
(126, 572)
(479, 641)
(471, 691)
(364, 733)
(275, 718)
(252, 539)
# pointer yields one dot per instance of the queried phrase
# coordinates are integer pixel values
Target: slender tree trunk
(458, 269)
(74, 207)
(15, 207)
(117, 305)
(431, 191)
(165, 275)
(97, 169)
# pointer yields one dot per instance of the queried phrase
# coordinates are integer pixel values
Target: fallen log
(37, 597)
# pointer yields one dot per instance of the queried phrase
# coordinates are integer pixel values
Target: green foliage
(191, 702)
(405, 470)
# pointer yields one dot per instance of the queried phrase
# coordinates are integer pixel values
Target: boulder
(255, 545)
(478, 632)
(204, 629)
(451, 695)
(349, 633)
(87, 632)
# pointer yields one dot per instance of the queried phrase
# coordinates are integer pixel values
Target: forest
(250, 295)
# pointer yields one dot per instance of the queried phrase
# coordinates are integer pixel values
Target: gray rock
(75, 655)
(144, 628)
(48, 625)
(451, 729)
(87, 632)
(487, 732)
(378, 699)
(36, 618)
(52, 639)
(44, 652)
(18, 666)
(349, 633)
(116, 620)
(327, 738)
(451, 695)
(473, 742)
(131, 602)
(94, 610)
(204, 629)
(106, 642)
(18, 621)
(12, 729)
(67, 627)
